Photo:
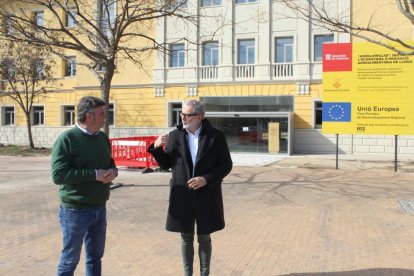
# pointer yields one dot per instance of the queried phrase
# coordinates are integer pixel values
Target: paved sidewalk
(296, 216)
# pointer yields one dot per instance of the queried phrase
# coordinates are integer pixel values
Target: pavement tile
(281, 219)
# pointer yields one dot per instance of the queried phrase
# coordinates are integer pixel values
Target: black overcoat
(213, 162)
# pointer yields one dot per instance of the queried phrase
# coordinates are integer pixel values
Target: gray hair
(198, 107)
(86, 105)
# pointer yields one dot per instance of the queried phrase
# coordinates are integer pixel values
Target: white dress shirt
(193, 144)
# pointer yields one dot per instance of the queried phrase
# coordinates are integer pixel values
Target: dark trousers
(204, 253)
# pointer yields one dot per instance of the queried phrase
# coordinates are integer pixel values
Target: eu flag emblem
(336, 112)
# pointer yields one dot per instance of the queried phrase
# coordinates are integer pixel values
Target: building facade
(254, 63)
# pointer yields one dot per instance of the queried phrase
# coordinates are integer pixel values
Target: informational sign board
(367, 89)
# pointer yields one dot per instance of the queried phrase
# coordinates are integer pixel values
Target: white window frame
(171, 109)
(246, 1)
(39, 18)
(204, 49)
(177, 4)
(238, 50)
(314, 45)
(275, 48)
(10, 67)
(8, 25)
(40, 68)
(105, 24)
(40, 115)
(101, 68)
(5, 115)
(71, 16)
(180, 53)
(72, 116)
(70, 66)
(210, 3)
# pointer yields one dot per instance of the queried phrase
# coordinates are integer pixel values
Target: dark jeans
(204, 253)
(82, 225)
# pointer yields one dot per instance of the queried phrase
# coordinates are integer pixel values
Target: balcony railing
(244, 71)
(240, 72)
(208, 72)
(282, 70)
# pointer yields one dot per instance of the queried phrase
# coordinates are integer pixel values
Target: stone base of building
(305, 141)
(46, 136)
(312, 141)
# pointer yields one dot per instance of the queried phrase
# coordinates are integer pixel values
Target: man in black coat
(199, 158)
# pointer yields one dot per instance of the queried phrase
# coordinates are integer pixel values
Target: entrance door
(251, 134)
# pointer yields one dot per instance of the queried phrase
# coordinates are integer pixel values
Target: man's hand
(197, 182)
(105, 176)
(161, 140)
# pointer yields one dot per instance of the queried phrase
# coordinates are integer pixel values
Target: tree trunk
(29, 130)
(105, 90)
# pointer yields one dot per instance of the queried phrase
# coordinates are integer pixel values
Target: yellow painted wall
(127, 72)
(384, 15)
(139, 107)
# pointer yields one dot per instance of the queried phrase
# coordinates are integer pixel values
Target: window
(245, 1)
(177, 4)
(8, 25)
(174, 116)
(8, 66)
(40, 68)
(210, 53)
(101, 68)
(8, 115)
(283, 103)
(317, 47)
(71, 15)
(283, 49)
(246, 51)
(38, 115)
(70, 67)
(68, 115)
(318, 114)
(210, 3)
(177, 55)
(111, 114)
(107, 16)
(39, 18)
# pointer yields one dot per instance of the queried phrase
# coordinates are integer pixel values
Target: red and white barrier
(132, 152)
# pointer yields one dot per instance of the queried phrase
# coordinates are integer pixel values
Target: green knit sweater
(75, 157)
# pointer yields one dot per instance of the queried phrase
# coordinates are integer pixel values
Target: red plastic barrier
(132, 152)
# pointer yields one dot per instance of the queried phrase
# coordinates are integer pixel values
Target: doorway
(258, 134)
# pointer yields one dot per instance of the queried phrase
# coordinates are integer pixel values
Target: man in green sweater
(82, 165)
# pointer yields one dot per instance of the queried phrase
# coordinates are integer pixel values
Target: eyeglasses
(183, 115)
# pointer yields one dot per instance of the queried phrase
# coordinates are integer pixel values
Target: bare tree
(336, 20)
(102, 31)
(26, 75)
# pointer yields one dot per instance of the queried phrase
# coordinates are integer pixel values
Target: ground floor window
(8, 115)
(254, 123)
(253, 134)
(111, 114)
(38, 116)
(317, 114)
(68, 115)
(174, 110)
